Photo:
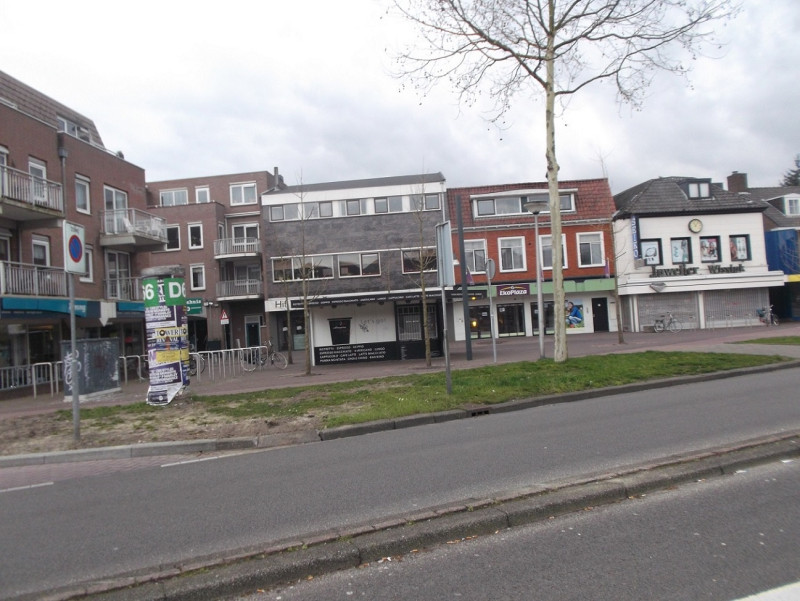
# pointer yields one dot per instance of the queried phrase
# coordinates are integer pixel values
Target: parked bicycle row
(669, 322)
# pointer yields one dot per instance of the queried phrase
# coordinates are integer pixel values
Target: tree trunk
(560, 328)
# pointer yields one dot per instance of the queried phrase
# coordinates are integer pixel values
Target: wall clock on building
(695, 225)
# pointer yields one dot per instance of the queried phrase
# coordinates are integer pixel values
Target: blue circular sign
(75, 248)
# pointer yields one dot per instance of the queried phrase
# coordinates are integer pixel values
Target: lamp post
(535, 207)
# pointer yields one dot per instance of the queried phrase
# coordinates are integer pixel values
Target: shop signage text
(683, 270)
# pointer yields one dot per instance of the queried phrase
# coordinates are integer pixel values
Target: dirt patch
(180, 420)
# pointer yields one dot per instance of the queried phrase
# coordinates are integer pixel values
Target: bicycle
(767, 316)
(254, 357)
(197, 364)
(667, 322)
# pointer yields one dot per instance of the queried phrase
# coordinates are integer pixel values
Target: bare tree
(558, 47)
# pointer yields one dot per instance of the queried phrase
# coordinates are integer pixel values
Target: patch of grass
(789, 340)
(399, 396)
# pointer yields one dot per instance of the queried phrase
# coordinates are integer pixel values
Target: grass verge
(362, 401)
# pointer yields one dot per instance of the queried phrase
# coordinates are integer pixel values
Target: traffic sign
(74, 254)
(223, 318)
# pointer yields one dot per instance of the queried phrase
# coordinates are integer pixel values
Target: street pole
(490, 269)
(539, 304)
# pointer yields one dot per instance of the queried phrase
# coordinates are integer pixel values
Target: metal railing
(124, 289)
(236, 246)
(33, 280)
(239, 288)
(134, 221)
(212, 365)
(29, 189)
(227, 363)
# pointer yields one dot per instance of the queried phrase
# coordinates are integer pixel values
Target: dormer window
(701, 189)
(73, 129)
(792, 204)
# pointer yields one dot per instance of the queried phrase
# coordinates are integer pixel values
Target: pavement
(318, 553)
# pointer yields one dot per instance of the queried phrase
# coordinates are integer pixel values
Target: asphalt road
(96, 527)
(721, 539)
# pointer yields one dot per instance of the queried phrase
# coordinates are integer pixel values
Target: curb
(302, 437)
(325, 552)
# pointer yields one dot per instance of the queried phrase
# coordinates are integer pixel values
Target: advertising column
(167, 336)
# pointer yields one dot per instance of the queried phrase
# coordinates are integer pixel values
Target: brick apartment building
(216, 233)
(497, 226)
(55, 168)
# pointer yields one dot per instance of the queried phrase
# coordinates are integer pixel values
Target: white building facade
(689, 247)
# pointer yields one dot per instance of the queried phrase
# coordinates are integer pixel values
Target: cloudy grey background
(192, 88)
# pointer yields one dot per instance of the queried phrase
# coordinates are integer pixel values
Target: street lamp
(535, 207)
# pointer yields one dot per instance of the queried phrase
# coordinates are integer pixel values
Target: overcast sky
(193, 88)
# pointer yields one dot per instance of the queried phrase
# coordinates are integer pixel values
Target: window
(202, 195)
(116, 211)
(243, 194)
(546, 248)
(174, 198)
(288, 269)
(353, 207)
(88, 252)
(740, 248)
(432, 202)
(590, 250)
(681, 250)
(709, 249)
(276, 213)
(358, 264)
(515, 205)
(417, 260)
(173, 238)
(792, 204)
(426, 202)
(475, 251)
(41, 251)
(512, 254)
(118, 272)
(3, 173)
(82, 203)
(395, 204)
(244, 232)
(38, 172)
(651, 252)
(310, 210)
(195, 236)
(326, 209)
(699, 189)
(5, 248)
(198, 277)
(381, 205)
(73, 129)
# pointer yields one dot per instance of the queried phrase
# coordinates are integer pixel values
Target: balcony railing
(134, 222)
(33, 280)
(127, 289)
(239, 288)
(28, 189)
(236, 246)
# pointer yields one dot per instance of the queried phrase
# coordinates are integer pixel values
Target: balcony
(22, 279)
(24, 197)
(240, 290)
(124, 289)
(228, 248)
(132, 230)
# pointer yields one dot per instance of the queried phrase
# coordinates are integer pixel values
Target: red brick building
(497, 226)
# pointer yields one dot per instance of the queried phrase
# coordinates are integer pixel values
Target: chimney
(737, 182)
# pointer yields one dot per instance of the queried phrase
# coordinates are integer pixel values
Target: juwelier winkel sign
(683, 270)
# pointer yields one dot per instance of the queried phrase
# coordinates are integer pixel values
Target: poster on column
(167, 338)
